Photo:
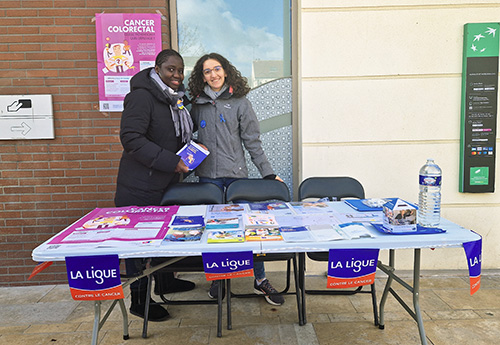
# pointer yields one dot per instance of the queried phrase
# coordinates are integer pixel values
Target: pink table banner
(132, 223)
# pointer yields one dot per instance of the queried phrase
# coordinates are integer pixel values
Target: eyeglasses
(208, 71)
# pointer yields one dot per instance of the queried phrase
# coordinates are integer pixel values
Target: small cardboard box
(399, 216)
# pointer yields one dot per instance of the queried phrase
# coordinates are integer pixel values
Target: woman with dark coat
(154, 126)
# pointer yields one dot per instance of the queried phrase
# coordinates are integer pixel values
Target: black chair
(260, 190)
(334, 188)
(188, 194)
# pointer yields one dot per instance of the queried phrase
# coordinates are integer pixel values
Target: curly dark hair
(234, 77)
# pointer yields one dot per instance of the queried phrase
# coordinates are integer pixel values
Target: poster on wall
(126, 43)
(479, 108)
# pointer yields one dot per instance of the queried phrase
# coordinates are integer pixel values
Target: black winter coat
(149, 142)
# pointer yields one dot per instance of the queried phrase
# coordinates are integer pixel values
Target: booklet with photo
(225, 236)
(276, 208)
(184, 234)
(225, 210)
(187, 221)
(223, 223)
(192, 154)
(263, 234)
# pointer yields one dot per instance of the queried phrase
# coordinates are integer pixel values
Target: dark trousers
(129, 196)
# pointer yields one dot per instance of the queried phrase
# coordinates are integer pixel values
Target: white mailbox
(26, 117)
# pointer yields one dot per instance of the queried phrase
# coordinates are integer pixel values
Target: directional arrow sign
(24, 128)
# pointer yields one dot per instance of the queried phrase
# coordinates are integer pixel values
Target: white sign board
(26, 117)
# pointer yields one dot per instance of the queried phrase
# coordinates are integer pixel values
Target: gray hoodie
(224, 126)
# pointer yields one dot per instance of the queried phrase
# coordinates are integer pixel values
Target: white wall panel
(381, 110)
(386, 42)
(391, 170)
(324, 4)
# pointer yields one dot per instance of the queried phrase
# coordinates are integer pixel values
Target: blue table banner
(228, 265)
(473, 252)
(94, 277)
(351, 267)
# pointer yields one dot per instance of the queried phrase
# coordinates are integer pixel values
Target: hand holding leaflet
(192, 154)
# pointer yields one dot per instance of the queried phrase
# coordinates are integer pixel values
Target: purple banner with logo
(351, 267)
(473, 251)
(126, 43)
(94, 277)
(228, 265)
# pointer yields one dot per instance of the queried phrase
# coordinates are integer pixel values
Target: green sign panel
(479, 176)
(479, 107)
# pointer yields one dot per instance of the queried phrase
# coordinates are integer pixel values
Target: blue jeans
(258, 267)
(221, 182)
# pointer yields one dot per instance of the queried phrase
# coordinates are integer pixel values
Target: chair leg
(228, 301)
(219, 309)
(146, 308)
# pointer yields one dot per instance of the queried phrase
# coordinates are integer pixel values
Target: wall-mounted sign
(479, 107)
(126, 44)
(26, 117)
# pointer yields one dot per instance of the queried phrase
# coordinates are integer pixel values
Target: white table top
(454, 236)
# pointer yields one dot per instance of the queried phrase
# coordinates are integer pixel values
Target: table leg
(125, 319)
(97, 318)
(416, 296)
(383, 299)
(415, 313)
(228, 301)
(298, 291)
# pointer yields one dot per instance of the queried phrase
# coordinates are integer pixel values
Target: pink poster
(126, 44)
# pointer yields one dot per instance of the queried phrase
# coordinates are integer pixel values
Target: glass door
(255, 37)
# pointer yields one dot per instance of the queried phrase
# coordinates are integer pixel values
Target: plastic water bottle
(429, 196)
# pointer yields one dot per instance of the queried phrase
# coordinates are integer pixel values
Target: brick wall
(48, 47)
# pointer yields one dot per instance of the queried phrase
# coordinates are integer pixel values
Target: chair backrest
(193, 194)
(337, 187)
(257, 190)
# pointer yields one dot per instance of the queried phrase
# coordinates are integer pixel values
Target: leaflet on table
(359, 217)
(302, 207)
(259, 220)
(326, 232)
(296, 234)
(355, 230)
(276, 208)
(225, 236)
(131, 223)
(184, 234)
(263, 234)
(192, 154)
(307, 219)
(225, 210)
